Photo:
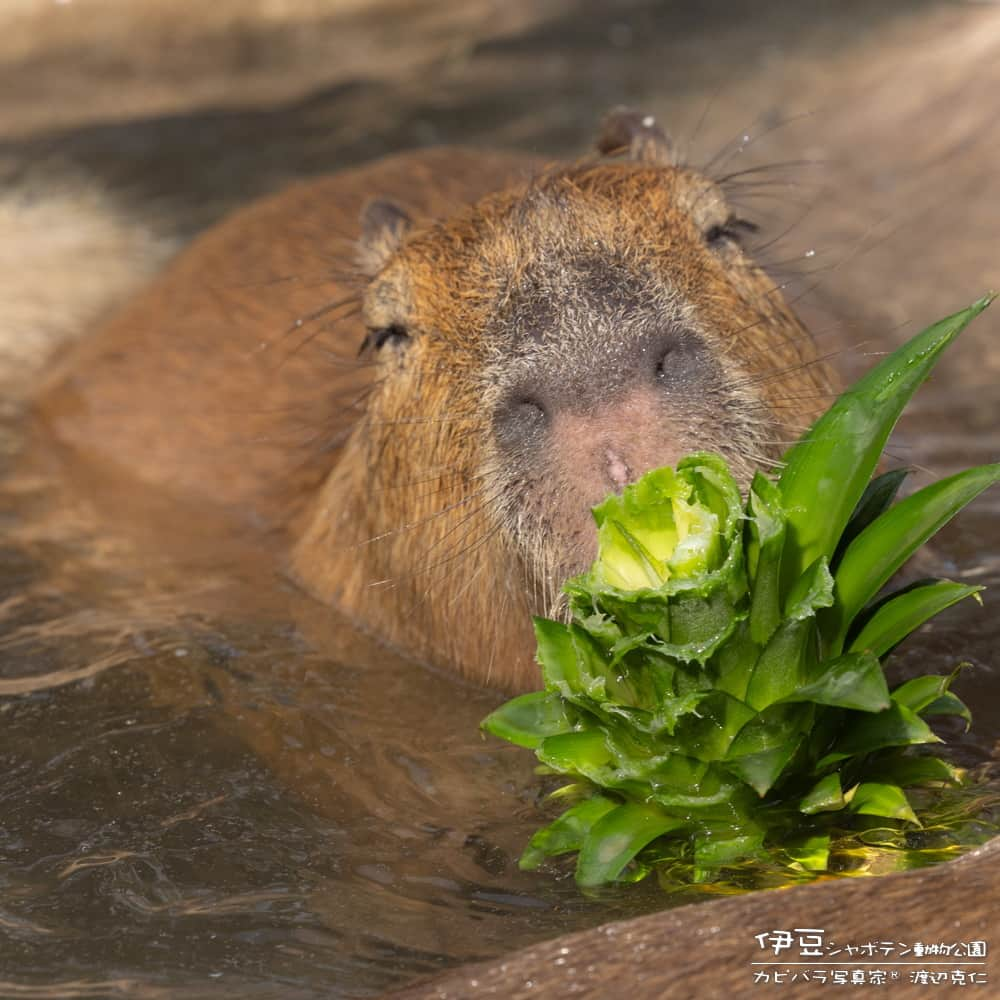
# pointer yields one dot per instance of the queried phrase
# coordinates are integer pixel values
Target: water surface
(213, 785)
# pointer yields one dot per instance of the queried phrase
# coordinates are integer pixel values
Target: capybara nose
(601, 451)
(592, 451)
(608, 414)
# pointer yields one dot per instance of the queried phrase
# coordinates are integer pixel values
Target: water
(239, 793)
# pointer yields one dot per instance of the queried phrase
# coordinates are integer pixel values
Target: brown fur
(232, 379)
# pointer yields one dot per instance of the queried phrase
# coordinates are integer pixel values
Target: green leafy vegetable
(718, 692)
(827, 472)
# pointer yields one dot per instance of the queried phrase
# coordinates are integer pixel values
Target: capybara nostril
(678, 361)
(666, 349)
(520, 419)
(662, 359)
(619, 473)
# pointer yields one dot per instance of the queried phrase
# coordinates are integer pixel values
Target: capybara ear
(625, 131)
(383, 226)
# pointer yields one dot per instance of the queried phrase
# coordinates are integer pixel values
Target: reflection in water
(238, 792)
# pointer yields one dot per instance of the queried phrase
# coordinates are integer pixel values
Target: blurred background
(126, 126)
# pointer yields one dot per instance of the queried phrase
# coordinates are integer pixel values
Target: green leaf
(699, 624)
(876, 499)
(812, 591)
(557, 656)
(784, 664)
(567, 833)
(735, 662)
(628, 564)
(709, 792)
(679, 772)
(767, 743)
(895, 727)
(918, 693)
(715, 489)
(914, 770)
(826, 473)
(765, 540)
(775, 727)
(929, 695)
(873, 798)
(672, 709)
(906, 610)
(852, 681)
(825, 796)
(669, 524)
(889, 541)
(573, 663)
(949, 704)
(529, 719)
(812, 852)
(616, 838)
(707, 735)
(716, 845)
(761, 770)
(619, 757)
(671, 531)
(600, 627)
(585, 753)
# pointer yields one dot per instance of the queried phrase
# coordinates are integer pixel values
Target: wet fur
(461, 536)
(232, 378)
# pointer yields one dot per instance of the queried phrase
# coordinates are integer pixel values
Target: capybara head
(535, 352)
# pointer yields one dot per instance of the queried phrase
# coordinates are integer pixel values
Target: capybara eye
(732, 231)
(375, 340)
